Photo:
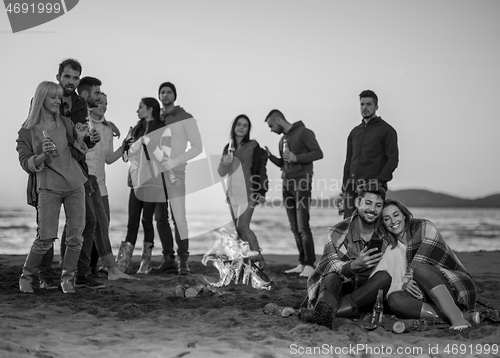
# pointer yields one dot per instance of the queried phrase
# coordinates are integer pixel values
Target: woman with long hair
(49, 148)
(246, 193)
(145, 185)
(439, 285)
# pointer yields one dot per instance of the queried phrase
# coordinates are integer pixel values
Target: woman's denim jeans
(49, 210)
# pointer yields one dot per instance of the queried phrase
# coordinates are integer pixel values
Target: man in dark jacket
(372, 152)
(298, 150)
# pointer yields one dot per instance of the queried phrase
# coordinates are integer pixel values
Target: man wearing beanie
(183, 130)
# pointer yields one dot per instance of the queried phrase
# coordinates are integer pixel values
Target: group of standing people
(64, 145)
(53, 146)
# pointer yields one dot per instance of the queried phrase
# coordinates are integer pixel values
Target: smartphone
(375, 244)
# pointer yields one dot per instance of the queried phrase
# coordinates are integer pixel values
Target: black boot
(325, 309)
(183, 265)
(167, 266)
(347, 308)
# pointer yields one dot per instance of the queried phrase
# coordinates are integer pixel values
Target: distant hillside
(429, 199)
(423, 198)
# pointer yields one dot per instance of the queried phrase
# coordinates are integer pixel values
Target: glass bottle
(90, 126)
(285, 146)
(286, 149)
(171, 177)
(54, 152)
(378, 309)
(129, 138)
(230, 149)
(408, 277)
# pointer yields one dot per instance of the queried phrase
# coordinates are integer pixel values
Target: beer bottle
(53, 153)
(128, 139)
(378, 309)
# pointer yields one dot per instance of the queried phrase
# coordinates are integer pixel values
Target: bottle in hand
(54, 152)
(286, 149)
(127, 141)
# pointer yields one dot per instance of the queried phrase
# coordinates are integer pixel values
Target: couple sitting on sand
(351, 272)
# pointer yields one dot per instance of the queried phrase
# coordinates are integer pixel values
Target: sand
(145, 319)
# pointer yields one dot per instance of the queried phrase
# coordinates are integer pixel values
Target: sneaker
(307, 272)
(87, 281)
(48, 284)
(297, 269)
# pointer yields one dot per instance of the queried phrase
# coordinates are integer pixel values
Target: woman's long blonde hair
(44, 89)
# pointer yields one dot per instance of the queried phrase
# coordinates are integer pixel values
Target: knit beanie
(170, 85)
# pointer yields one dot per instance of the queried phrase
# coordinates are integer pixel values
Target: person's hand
(227, 159)
(81, 131)
(126, 144)
(257, 198)
(170, 163)
(114, 129)
(267, 150)
(366, 259)
(94, 135)
(289, 156)
(47, 147)
(412, 288)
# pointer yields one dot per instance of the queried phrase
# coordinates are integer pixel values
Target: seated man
(341, 283)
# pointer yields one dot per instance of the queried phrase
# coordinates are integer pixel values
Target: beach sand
(145, 319)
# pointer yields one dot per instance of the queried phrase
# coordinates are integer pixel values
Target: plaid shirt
(344, 246)
(427, 246)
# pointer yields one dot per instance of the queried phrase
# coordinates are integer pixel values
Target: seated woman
(440, 286)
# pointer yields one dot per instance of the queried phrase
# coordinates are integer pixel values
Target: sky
(433, 64)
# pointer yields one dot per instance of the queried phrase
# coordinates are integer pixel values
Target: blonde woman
(49, 147)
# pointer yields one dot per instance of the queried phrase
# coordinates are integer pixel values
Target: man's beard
(68, 92)
(366, 221)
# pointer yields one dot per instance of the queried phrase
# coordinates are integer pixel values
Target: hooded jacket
(301, 142)
(372, 152)
(184, 129)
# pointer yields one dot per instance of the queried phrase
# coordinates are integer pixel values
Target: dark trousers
(135, 208)
(297, 203)
(165, 232)
(94, 256)
(96, 218)
(362, 296)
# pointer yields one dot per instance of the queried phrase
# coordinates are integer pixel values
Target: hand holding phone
(375, 244)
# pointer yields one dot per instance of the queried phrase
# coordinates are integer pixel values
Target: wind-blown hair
(72, 63)
(370, 186)
(233, 127)
(406, 213)
(151, 102)
(44, 89)
(369, 94)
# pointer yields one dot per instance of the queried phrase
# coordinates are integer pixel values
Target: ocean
(465, 230)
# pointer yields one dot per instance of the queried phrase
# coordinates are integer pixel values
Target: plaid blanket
(427, 246)
(343, 246)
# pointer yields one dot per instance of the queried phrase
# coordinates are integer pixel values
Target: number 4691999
(40, 8)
